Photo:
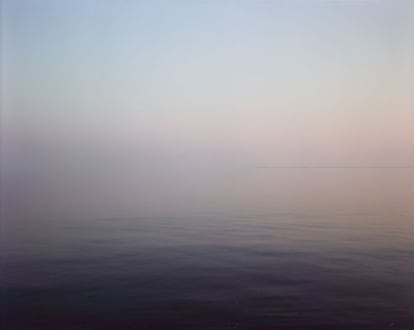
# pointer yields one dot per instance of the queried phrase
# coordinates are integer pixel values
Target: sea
(262, 248)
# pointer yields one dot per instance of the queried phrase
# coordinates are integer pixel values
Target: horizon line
(332, 166)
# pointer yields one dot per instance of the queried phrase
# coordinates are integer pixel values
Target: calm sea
(262, 249)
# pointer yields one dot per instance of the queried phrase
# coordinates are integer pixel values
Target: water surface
(264, 249)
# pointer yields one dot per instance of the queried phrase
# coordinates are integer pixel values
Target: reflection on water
(273, 249)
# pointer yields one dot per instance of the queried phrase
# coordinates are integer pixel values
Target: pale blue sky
(133, 84)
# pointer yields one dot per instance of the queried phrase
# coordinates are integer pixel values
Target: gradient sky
(106, 91)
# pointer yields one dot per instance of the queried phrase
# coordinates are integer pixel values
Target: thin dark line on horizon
(367, 167)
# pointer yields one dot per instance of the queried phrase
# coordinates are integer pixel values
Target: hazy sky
(107, 91)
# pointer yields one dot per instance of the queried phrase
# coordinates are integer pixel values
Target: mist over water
(255, 249)
(212, 165)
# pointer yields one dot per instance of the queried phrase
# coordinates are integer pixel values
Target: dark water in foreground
(345, 263)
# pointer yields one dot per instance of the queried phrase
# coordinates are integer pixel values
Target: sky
(129, 96)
